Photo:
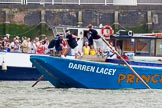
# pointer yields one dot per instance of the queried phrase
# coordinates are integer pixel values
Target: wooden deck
(93, 58)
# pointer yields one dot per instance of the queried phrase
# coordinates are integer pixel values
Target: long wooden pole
(40, 78)
(137, 75)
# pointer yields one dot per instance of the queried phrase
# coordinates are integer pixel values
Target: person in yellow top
(86, 49)
(92, 51)
(24, 45)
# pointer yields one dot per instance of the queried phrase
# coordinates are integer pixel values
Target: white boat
(17, 66)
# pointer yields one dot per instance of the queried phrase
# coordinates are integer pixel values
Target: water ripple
(19, 94)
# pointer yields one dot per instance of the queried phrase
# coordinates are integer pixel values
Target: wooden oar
(40, 78)
(126, 63)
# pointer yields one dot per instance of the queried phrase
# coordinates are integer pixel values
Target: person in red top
(125, 57)
(40, 48)
(63, 45)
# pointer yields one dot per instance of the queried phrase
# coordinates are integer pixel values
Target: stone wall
(81, 15)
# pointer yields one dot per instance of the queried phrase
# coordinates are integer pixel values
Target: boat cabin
(138, 44)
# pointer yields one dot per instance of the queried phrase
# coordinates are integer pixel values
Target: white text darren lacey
(86, 68)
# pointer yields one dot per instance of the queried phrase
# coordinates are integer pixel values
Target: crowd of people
(94, 45)
(63, 44)
(25, 45)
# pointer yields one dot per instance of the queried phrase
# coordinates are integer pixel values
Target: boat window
(152, 48)
(59, 30)
(143, 46)
(159, 47)
(127, 46)
(74, 31)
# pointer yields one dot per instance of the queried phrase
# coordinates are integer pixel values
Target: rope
(121, 26)
(29, 30)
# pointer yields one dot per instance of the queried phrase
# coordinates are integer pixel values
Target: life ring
(107, 33)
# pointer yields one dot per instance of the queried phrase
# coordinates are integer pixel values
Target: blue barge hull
(95, 75)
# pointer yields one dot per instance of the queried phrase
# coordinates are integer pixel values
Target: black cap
(57, 35)
(67, 30)
(61, 35)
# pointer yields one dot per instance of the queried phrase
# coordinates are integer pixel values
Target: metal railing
(80, 2)
(11, 1)
(149, 2)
